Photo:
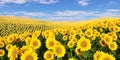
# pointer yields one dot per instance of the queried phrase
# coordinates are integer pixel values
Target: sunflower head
(71, 37)
(1, 44)
(36, 34)
(59, 50)
(88, 32)
(35, 43)
(29, 55)
(107, 57)
(82, 34)
(74, 40)
(78, 51)
(65, 37)
(113, 46)
(102, 43)
(13, 52)
(24, 49)
(48, 55)
(84, 44)
(107, 39)
(98, 54)
(8, 46)
(116, 29)
(72, 58)
(28, 40)
(2, 52)
(72, 32)
(50, 43)
(70, 44)
(93, 37)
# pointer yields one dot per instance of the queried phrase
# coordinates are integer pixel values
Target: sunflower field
(11, 25)
(93, 40)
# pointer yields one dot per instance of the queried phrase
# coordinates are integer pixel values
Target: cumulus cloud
(112, 3)
(72, 13)
(2, 2)
(83, 2)
(13, 1)
(67, 14)
(113, 10)
(47, 1)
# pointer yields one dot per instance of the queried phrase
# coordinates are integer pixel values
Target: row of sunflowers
(9, 25)
(91, 41)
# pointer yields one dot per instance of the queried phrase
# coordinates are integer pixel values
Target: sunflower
(82, 34)
(107, 57)
(59, 51)
(102, 36)
(84, 44)
(71, 37)
(102, 43)
(35, 43)
(26, 34)
(96, 32)
(28, 40)
(10, 39)
(2, 52)
(107, 39)
(98, 54)
(14, 37)
(93, 37)
(48, 55)
(47, 33)
(21, 37)
(8, 46)
(72, 58)
(36, 34)
(72, 32)
(65, 37)
(114, 37)
(101, 29)
(78, 31)
(89, 33)
(105, 25)
(24, 49)
(70, 44)
(74, 40)
(50, 43)
(29, 55)
(78, 51)
(1, 44)
(113, 46)
(111, 33)
(13, 52)
(111, 28)
(116, 29)
(12, 58)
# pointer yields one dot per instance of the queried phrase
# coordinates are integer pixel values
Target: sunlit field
(31, 39)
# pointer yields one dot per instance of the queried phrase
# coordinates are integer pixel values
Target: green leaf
(69, 54)
(59, 59)
(118, 41)
(87, 54)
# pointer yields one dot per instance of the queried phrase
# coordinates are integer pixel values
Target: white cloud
(111, 3)
(113, 10)
(13, 1)
(47, 1)
(67, 14)
(83, 2)
(2, 2)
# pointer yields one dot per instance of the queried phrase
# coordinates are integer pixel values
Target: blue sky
(60, 10)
